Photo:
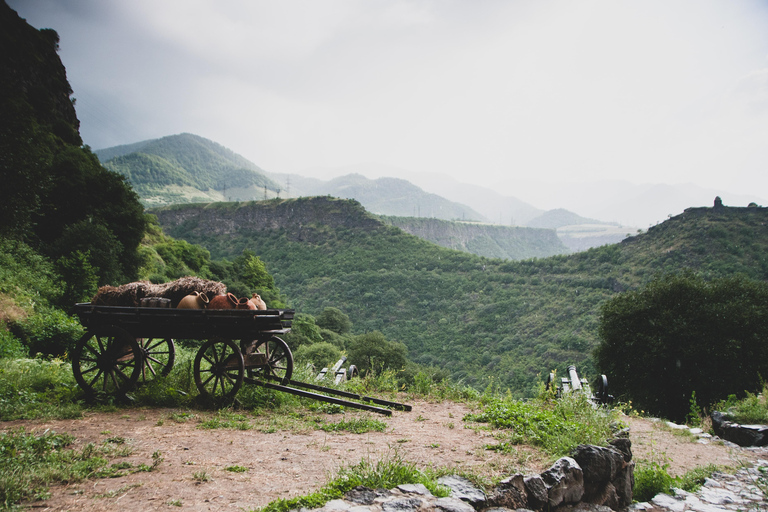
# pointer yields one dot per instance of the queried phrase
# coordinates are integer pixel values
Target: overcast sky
(487, 91)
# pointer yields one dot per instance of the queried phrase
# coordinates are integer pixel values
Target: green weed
(29, 463)
(386, 473)
(355, 425)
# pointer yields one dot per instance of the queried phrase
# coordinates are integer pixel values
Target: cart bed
(144, 322)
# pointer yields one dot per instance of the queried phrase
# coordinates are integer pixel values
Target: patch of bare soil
(285, 464)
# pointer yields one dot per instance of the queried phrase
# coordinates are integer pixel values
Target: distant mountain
(384, 196)
(559, 218)
(187, 168)
(491, 241)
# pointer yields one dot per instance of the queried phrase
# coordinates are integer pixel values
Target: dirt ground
(287, 463)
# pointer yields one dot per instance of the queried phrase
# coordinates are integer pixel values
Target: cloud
(493, 91)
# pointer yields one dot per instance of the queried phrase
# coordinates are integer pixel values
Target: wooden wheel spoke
(90, 384)
(205, 383)
(89, 370)
(91, 349)
(148, 364)
(159, 342)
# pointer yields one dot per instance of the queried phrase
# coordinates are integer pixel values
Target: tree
(682, 334)
(334, 320)
(373, 352)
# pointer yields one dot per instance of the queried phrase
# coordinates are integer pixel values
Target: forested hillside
(475, 316)
(187, 168)
(489, 240)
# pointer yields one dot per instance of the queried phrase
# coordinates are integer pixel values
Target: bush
(682, 334)
(50, 332)
(372, 352)
(650, 481)
(321, 355)
(10, 346)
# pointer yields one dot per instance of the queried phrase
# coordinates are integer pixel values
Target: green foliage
(355, 425)
(49, 332)
(37, 388)
(472, 316)
(304, 331)
(26, 277)
(372, 352)
(694, 412)
(183, 160)
(385, 473)
(320, 355)
(80, 278)
(334, 320)
(752, 409)
(557, 426)
(10, 346)
(682, 334)
(651, 480)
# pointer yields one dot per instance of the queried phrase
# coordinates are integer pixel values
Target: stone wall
(593, 478)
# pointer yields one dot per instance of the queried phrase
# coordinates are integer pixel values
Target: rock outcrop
(593, 479)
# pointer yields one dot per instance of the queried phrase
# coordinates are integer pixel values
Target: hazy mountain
(489, 240)
(559, 218)
(187, 168)
(383, 196)
(497, 207)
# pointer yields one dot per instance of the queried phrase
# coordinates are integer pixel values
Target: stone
(624, 483)
(509, 493)
(401, 505)
(600, 466)
(536, 490)
(463, 489)
(624, 445)
(414, 489)
(742, 435)
(668, 502)
(364, 495)
(564, 481)
(453, 505)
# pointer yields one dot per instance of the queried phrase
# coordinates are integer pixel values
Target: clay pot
(227, 301)
(260, 304)
(245, 303)
(194, 300)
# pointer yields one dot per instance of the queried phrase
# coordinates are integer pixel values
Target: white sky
(487, 91)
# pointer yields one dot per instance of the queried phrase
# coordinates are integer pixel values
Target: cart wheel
(158, 355)
(352, 372)
(279, 365)
(108, 362)
(602, 390)
(219, 370)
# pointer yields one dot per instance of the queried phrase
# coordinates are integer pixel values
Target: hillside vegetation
(491, 241)
(476, 317)
(187, 168)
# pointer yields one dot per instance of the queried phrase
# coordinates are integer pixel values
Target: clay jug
(227, 301)
(260, 304)
(245, 303)
(194, 300)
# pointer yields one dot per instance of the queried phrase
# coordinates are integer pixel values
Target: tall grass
(384, 473)
(556, 426)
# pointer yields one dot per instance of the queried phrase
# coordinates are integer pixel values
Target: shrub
(321, 355)
(682, 334)
(50, 332)
(651, 480)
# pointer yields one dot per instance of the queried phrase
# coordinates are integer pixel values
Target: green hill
(491, 241)
(186, 167)
(476, 317)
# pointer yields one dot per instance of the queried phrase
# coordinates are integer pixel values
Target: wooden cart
(126, 346)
